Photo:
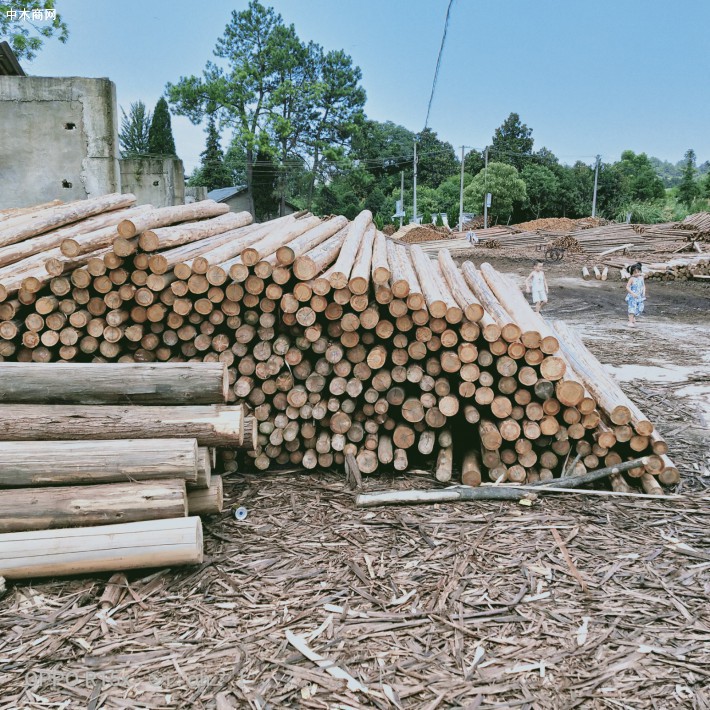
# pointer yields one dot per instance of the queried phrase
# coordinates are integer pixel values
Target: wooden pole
(109, 383)
(79, 506)
(215, 425)
(53, 553)
(57, 463)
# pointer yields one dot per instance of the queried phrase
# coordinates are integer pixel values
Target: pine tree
(688, 189)
(160, 137)
(135, 127)
(215, 173)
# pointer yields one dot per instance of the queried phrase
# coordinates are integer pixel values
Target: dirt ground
(577, 602)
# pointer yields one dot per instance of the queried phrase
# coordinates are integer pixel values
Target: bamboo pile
(121, 451)
(344, 344)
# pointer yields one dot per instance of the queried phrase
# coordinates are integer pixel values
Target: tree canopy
(135, 127)
(688, 189)
(26, 26)
(213, 172)
(160, 135)
(273, 90)
(512, 142)
(506, 187)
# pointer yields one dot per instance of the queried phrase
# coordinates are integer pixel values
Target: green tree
(505, 185)
(160, 136)
(436, 159)
(473, 162)
(576, 187)
(546, 157)
(239, 92)
(639, 181)
(335, 104)
(669, 173)
(135, 126)
(688, 189)
(26, 25)
(706, 186)
(266, 185)
(214, 172)
(449, 193)
(512, 142)
(542, 187)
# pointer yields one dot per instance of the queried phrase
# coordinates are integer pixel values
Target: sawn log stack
(338, 339)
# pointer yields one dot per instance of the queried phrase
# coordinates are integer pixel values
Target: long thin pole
(596, 180)
(461, 191)
(401, 196)
(414, 216)
(485, 192)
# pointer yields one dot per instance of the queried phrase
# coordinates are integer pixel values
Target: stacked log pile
(344, 343)
(678, 269)
(121, 451)
(699, 223)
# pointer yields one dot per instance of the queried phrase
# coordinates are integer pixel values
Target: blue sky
(598, 76)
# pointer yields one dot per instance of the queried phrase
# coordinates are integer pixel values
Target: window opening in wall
(70, 126)
(66, 183)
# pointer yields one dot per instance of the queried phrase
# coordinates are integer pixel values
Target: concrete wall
(195, 194)
(156, 181)
(240, 203)
(58, 139)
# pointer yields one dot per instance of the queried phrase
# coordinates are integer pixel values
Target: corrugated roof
(224, 193)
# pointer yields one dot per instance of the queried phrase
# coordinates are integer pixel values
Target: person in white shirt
(538, 284)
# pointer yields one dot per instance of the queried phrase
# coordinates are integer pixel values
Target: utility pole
(596, 180)
(401, 196)
(485, 191)
(414, 216)
(461, 191)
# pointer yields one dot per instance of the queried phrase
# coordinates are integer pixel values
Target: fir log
(111, 383)
(170, 237)
(316, 260)
(471, 468)
(275, 238)
(517, 307)
(16, 230)
(206, 501)
(164, 216)
(380, 266)
(471, 306)
(359, 280)
(80, 506)
(436, 301)
(510, 331)
(71, 551)
(287, 253)
(215, 425)
(15, 253)
(609, 395)
(349, 250)
(57, 463)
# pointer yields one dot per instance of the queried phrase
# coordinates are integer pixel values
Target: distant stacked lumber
(343, 343)
(698, 223)
(87, 462)
(678, 269)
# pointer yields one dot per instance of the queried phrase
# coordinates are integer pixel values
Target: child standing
(538, 284)
(635, 294)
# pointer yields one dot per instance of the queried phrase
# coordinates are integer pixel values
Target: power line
(438, 62)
